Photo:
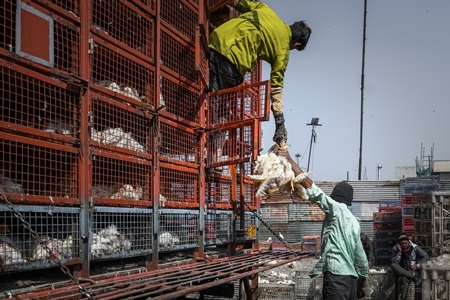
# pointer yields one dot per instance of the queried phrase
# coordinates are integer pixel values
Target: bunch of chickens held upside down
(274, 173)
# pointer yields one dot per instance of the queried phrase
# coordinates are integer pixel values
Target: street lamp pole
(297, 155)
(314, 123)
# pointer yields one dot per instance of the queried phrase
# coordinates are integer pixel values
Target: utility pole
(362, 90)
(314, 123)
(297, 155)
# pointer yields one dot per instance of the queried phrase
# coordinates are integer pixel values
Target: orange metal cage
(248, 101)
(124, 23)
(179, 187)
(120, 127)
(120, 180)
(59, 37)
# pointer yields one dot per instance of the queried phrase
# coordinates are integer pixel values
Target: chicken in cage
(116, 137)
(109, 241)
(9, 186)
(61, 248)
(167, 239)
(9, 247)
(125, 90)
(128, 192)
(59, 126)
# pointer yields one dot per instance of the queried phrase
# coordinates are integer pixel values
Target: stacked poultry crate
(423, 221)
(107, 128)
(408, 188)
(41, 117)
(387, 226)
(436, 272)
(440, 223)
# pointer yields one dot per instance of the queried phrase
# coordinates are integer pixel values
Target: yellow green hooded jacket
(256, 34)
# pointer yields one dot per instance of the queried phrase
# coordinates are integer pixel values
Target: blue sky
(407, 85)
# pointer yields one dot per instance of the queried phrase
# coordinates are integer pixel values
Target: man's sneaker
(417, 280)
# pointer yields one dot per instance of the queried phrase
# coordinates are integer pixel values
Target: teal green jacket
(256, 34)
(342, 251)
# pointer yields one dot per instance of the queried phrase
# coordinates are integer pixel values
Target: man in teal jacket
(343, 258)
(240, 43)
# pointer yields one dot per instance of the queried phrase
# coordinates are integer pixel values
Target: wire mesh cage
(245, 167)
(255, 75)
(178, 57)
(179, 187)
(201, 43)
(71, 6)
(118, 126)
(184, 19)
(248, 101)
(120, 180)
(126, 23)
(29, 170)
(380, 286)
(118, 74)
(229, 146)
(307, 288)
(38, 105)
(246, 229)
(59, 38)
(268, 291)
(147, 5)
(178, 229)
(179, 143)
(56, 227)
(180, 99)
(120, 232)
(218, 227)
(218, 192)
(249, 194)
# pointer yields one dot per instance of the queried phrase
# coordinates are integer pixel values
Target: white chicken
(9, 255)
(131, 92)
(112, 136)
(128, 142)
(110, 85)
(274, 173)
(62, 249)
(96, 136)
(128, 192)
(109, 241)
(167, 239)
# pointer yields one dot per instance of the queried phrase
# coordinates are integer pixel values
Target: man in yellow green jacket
(240, 43)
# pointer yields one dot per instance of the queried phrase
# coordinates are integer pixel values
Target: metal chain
(270, 229)
(64, 269)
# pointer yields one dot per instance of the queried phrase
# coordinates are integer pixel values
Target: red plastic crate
(389, 208)
(408, 221)
(387, 227)
(387, 217)
(409, 230)
(407, 200)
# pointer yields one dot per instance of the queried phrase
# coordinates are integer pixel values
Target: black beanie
(343, 193)
(403, 237)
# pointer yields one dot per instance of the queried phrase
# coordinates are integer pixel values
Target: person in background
(368, 250)
(367, 246)
(407, 258)
(343, 258)
(242, 42)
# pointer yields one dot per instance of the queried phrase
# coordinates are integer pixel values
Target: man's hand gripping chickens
(274, 173)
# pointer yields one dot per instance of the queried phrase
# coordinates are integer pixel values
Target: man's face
(404, 244)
